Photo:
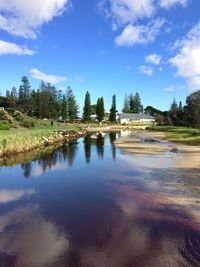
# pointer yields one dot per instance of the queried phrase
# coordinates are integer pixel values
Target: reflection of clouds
(33, 239)
(7, 196)
(153, 161)
(39, 170)
(144, 234)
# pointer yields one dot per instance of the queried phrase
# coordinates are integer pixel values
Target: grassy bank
(22, 140)
(184, 135)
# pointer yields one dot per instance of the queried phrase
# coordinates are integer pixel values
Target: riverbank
(115, 127)
(17, 141)
(153, 146)
(183, 135)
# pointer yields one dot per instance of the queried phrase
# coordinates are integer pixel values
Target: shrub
(3, 126)
(18, 116)
(27, 124)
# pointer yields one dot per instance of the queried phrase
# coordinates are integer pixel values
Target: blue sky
(103, 46)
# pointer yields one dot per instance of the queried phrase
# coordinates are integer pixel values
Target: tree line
(49, 102)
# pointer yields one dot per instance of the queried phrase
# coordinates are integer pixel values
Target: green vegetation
(87, 108)
(179, 134)
(22, 140)
(113, 110)
(132, 104)
(100, 110)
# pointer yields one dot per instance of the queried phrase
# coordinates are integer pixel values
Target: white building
(132, 118)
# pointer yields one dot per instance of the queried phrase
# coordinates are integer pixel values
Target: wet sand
(154, 144)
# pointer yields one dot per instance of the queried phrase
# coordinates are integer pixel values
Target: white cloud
(128, 14)
(24, 18)
(186, 61)
(12, 48)
(140, 34)
(37, 74)
(170, 3)
(7, 196)
(126, 11)
(153, 58)
(146, 70)
(173, 88)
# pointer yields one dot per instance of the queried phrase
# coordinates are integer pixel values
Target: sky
(104, 46)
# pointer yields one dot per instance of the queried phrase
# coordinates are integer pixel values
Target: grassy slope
(21, 139)
(180, 134)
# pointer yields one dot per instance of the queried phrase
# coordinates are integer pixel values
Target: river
(90, 203)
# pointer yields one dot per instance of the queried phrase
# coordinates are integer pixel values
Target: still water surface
(90, 204)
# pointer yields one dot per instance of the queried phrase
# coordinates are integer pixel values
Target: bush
(4, 116)
(27, 124)
(18, 116)
(3, 126)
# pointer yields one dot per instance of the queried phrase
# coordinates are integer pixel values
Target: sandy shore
(154, 144)
(115, 128)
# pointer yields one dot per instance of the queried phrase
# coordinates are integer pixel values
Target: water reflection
(64, 156)
(100, 212)
(28, 239)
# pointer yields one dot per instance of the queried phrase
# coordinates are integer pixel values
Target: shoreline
(56, 137)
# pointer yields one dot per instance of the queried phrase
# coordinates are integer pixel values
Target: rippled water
(90, 204)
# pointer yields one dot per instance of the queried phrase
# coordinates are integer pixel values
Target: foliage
(100, 110)
(87, 108)
(132, 104)
(3, 126)
(113, 110)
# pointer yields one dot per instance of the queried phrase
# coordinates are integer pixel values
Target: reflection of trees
(49, 160)
(100, 145)
(113, 137)
(27, 169)
(87, 146)
(72, 147)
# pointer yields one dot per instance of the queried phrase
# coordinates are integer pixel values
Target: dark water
(90, 204)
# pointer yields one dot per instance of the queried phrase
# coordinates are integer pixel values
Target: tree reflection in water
(67, 153)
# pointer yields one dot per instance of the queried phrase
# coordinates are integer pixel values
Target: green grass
(179, 134)
(21, 140)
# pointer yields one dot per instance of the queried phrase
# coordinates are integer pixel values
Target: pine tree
(8, 93)
(25, 94)
(180, 107)
(174, 105)
(14, 92)
(72, 107)
(87, 108)
(100, 110)
(113, 110)
(64, 108)
(126, 108)
(135, 104)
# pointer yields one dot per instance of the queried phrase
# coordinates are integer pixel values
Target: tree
(173, 113)
(174, 105)
(87, 108)
(192, 110)
(72, 107)
(100, 110)
(113, 110)
(180, 106)
(126, 107)
(64, 108)
(8, 93)
(25, 94)
(135, 104)
(14, 92)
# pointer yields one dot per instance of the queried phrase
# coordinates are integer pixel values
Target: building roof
(134, 116)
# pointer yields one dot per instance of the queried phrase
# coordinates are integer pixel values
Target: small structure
(1, 108)
(133, 118)
(93, 117)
